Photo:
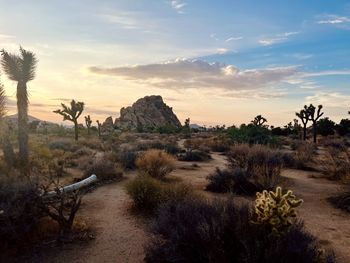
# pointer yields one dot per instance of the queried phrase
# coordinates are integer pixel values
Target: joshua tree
(303, 115)
(72, 114)
(259, 121)
(99, 128)
(21, 68)
(187, 123)
(9, 154)
(314, 115)
(88, 123)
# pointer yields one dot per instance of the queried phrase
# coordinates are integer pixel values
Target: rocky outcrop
(146, 114)
(107, 126)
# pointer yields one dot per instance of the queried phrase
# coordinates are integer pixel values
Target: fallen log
(72, 187)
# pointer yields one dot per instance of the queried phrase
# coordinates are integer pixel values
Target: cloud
(125, 20)
(178, 6)
(279, 38)
(198, 74)
(330, 99)
(334, 20)
(222, 50)
(233, 39)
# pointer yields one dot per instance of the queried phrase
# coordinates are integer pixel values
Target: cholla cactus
(276, 209)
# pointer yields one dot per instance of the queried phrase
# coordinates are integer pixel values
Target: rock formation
(107, 126)
(146, 114)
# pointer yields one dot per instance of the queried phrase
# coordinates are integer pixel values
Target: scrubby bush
(341, 201)
(194, 156)
(252, 169)
(19, 209)
(61, 144)
(198, 231)
(252, 134)
(304, 154)
(238, 155)
(156, 163)
(103, 168)
(149, 193)
(127, 158)
(336, 164)
(231, 180)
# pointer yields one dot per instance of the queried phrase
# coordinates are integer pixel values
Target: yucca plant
(21, 68)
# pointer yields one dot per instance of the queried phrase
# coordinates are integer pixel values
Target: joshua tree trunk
(304, 132)
(314, 130)
(22, 107)
(76, 129)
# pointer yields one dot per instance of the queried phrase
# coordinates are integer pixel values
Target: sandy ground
(330, 225)
(120, 237)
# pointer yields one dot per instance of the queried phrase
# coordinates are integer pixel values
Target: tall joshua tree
(88, 123)
(99, 128)
(314, 116)
(259, 121)
(21, 68)
(303, 115)
(72, 114)
(7, 148)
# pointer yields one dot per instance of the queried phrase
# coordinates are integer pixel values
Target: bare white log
(72, 187)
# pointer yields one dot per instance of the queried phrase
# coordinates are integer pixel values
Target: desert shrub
(341, 201)
(218, 144)
(261, 165)
(196, 230)
(149, 193)
(336, 164)
(103, 168)
(252, 134)
(304, 155)
(238, 155)
(65, 145)
(155, 163)
(264, 165)
(231, 180)
(194, 156)
(127, 157)
(19, 209)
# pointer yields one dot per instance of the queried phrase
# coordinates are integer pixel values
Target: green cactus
(276, 209)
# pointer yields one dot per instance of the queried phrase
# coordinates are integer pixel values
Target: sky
(217, 62)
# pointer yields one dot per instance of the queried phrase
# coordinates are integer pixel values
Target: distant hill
(14, 117)
(195, 126)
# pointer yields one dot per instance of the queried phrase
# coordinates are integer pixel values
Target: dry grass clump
(341, 201)
(250, 169)
(336, 163)
(104, 168)
(149, 193)
(238, 155)
(156, 163)
(304, 155)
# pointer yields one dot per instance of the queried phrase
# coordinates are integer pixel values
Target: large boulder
(107, 126)
(146, 114)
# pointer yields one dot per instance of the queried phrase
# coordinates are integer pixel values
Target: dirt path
(330, 225)
(119, 236)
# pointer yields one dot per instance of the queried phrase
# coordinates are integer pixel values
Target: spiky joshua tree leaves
(259, 121)
(276, 209)
(21, 68)
(72, 114)
(88, 123)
